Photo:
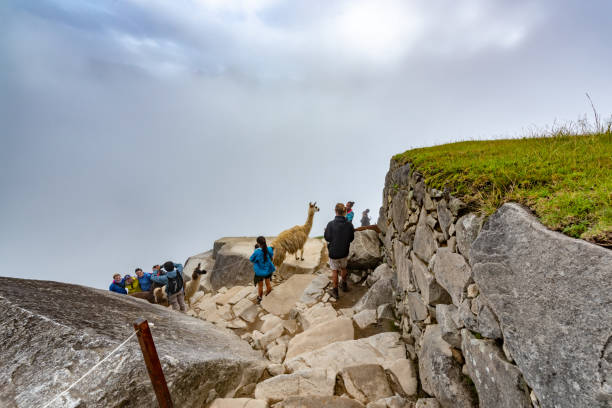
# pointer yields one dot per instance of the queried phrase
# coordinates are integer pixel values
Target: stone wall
(499, 312)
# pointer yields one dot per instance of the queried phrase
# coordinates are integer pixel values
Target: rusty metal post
(152, 362)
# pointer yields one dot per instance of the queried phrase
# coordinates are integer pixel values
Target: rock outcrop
(364, 252)
(232, 266)
(52, 333)
(552, 295)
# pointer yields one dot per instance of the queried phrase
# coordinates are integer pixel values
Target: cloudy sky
(137, 131)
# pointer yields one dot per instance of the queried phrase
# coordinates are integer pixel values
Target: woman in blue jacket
(118, 285)
(263, 267)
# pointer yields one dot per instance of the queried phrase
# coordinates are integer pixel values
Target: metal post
(152, 362)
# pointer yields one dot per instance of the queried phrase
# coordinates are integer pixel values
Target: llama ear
(315, 204)
(309, 204)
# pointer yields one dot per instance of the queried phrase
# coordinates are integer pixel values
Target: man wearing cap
(131, 284)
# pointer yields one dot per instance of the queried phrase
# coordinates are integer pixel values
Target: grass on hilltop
(565, 177)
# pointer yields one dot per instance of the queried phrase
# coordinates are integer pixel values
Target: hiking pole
(152, 362)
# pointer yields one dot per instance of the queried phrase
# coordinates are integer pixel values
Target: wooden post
(152, 362)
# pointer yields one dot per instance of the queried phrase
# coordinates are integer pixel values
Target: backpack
(175, 285)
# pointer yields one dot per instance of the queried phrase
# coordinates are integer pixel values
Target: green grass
(565, 178)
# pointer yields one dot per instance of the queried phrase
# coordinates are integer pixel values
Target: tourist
(118, 286)
(131, 284)
(349, 211)
(365, 219)
(144, 280)
(263, 267)
(339, 234)
(172, 277)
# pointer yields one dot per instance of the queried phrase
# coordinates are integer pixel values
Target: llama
(292, 240)
(192, 286)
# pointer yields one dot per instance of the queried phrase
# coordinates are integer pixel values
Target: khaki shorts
(337, 264)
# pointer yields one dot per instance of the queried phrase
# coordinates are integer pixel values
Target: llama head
(312, 207)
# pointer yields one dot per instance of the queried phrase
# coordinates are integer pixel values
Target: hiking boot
(345, 287)
(334, 293)
(258, 299)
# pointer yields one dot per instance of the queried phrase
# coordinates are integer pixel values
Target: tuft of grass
(565, 177)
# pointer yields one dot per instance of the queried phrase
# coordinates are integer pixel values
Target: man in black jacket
(339, 234)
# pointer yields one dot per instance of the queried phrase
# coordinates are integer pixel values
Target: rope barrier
(90, 370)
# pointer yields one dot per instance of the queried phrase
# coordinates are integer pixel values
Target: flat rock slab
(238, 403)
(366, 383)
(383, 349)
(284, 296)
(318, 402)
(338, 329)
(52, 333)
(315, 382)
(552, 296)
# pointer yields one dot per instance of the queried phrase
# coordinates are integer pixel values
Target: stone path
(312, 342)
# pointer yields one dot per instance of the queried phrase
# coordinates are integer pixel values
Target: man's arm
(162, 279)
(327, 234)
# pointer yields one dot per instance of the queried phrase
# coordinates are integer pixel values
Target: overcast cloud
(136, 131)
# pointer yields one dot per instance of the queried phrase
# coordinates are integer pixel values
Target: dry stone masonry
(500, 312)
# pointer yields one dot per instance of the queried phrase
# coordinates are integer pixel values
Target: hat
(127, 276)
(351, 202)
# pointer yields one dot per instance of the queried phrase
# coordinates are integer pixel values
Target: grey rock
(445, 218)
(391, 402)
(499, 383)
(318, 402)
(431, 291)
(552, 295)
(416, 307)
(310, 382)
(365, 318)
(364, 252)
(451, 244)
(366, 383)
(466, 317)
(379, 294)
(449, 330)
(428, 203)
(314, 290)
(404, 377)
(424, 243)
(441, 374)
(427, 403)
(407, 237)
(419, 192)
(467, 229)
(456, 205)
(452, 273)
(232, 266)
(52, 333)
(382, 271)
(382, 220)
(403, 266)
(488, 325)
(400, 175)
(400, 209)
(385, 312)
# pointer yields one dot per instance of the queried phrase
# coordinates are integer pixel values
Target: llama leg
(302, 254)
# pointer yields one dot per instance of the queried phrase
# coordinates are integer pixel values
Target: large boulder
(499, 383)
(431, 291)
(52, 333)
(383, 349)
(552, 296)
(441, 374)
(206, 261)
(379, 294)
(364, 252)
(233, 267)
